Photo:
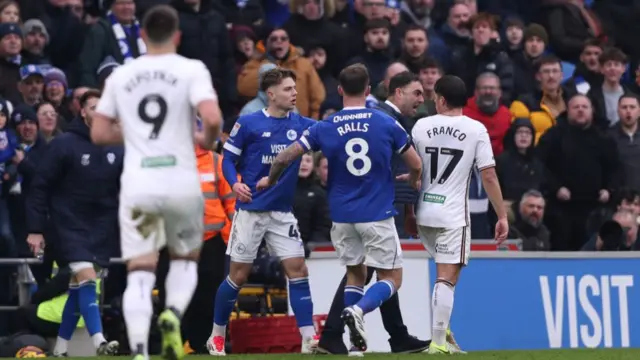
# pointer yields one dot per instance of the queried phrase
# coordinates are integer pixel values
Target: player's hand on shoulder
(263, 184)
(242, 191)
(502, 230)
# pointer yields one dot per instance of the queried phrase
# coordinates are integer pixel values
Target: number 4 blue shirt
(358, 144)
(254, 142)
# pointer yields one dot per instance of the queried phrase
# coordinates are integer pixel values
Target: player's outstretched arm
(414, 163)
(105, 131)
(282, 161)
(492, 187)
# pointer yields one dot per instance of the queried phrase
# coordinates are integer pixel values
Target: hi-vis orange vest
(219, 199)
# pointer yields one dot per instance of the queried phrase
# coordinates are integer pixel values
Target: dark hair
(484, 17)
(354, 79)
(414, 27)
(89, 94)
(612, 54)
(160, 23)
(43, 103)
(374, 24)
(453, 90)
(629, 95)
(626, 194)
(593, 42)
(430, 63)
(546, 60)
(401, 80)
(275, 77)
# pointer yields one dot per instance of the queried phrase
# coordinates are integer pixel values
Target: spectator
(31, 85)
(55, 88)
(514, 30)
(10, 48)
(8, 146)
(478, 207)
(455, 32)
(9, 12)
(47, 121)
(570, 23)
(605, 98)
(582, 164)
(587, 73)
(378, 54)
(626, 199)
(379, 92)
(279, 50)
(484, 106)
(415, 45)
(310, 206)
(318, 57)
(368, 10)
(204, 36)
(35, 40)
(32, 148)
(620, 18)
(244, 45)
(72, 110)
(248, 13)
(321, 167)
(518, 169)
(430, 73)
(481, 55)
(535, 42)
(309, 27)
(618, 234)
(105, 69)
(627, 138)
(543, 106)
(67, 34)
(417, 12)
(528, 225)
(259, 102)
(118, 36)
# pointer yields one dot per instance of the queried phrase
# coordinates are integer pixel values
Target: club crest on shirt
(235, 130)
(292, 135)
(111, 157)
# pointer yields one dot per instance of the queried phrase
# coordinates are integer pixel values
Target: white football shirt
(450, 146)
(154, 97)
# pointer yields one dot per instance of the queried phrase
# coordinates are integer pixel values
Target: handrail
(35, 261)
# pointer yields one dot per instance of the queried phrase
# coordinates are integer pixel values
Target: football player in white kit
(154, 99)
(450, 145)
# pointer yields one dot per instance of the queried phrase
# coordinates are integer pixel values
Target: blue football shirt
(358, 143)
(253, 144)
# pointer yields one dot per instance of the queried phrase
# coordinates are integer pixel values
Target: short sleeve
(310, 138)
(235, 143)
(107, 104)
(201, 88)
(400, 138)
(484, 153)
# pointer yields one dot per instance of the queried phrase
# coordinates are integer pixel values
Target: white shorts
(278, 229)
(447, 246)
(149, 223)
(375, 244)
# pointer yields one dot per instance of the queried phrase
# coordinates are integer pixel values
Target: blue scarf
(121, 33)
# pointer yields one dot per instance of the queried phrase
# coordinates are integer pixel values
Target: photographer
(618, 234)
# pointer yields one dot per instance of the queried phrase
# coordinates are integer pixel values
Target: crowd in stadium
(555, 82)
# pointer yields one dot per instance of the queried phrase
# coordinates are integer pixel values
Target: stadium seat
(567, 70)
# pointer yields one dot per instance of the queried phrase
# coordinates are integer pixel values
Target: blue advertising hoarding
(504, 304)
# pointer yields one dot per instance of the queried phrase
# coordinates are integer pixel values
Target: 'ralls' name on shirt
(275, 150)
(347, 128)
(150, 76)
(446, 130)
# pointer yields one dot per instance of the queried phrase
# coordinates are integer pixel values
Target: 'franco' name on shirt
(275, 150)
(347, 128)
(446, 130)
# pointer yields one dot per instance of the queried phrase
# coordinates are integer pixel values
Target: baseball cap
(29, 70)
(23, 113)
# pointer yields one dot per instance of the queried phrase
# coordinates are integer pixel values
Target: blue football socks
(87, 302)
(301, 303)
(352, 294)
(225, 301)
(380, 292)
(70, 315)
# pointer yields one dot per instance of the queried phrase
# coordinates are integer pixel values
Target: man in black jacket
(74, 201)
(406, 94)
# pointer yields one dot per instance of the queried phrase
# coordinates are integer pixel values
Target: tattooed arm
(282, 161)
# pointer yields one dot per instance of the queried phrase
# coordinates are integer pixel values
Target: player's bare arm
(414, 163)
(492, 187)
(211, 116)
(280, 164)
(105, 131)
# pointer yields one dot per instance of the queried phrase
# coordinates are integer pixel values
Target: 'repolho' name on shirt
(150, 76)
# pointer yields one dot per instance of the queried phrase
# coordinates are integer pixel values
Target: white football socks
(61, 346)
(441, 308)
(181, 282)
(138, 309)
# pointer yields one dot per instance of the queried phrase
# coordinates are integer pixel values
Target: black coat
(76, 191)
(311, 209)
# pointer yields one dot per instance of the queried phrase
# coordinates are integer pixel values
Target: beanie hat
(23, 113)
(57, 75)
(535, 30)
(6, 108)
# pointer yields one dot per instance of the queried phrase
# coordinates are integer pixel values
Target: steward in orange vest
(219, 199)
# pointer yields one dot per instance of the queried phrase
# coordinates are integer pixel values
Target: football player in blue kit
(359, 144)
(252, 146)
